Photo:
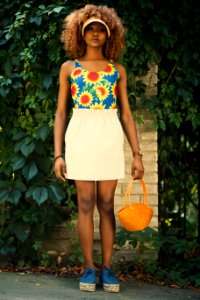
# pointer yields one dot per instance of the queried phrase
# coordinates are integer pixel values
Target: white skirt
(94, 145)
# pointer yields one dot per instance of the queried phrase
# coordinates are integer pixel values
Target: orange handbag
(135, 216)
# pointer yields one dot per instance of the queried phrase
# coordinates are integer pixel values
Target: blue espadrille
(109, 281)
(88, 280)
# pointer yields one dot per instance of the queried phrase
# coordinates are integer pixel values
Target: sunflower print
(102, 92)
(76, 72)
(113, 105)
(74, 90)
(115, 90)
(94, 90)
(92, 77)
(109, 69)
(85, 99)
(97, 106)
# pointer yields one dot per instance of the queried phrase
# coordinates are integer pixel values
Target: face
(95, 34)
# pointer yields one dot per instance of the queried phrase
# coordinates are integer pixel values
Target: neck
(94, 54)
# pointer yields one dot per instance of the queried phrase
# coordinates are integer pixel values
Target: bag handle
(127, 197)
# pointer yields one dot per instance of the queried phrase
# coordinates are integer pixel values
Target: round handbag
(135, 216)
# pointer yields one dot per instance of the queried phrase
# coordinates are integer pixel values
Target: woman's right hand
(60, 169)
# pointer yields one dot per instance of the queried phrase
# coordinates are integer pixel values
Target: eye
(102, 29)
(89, 28)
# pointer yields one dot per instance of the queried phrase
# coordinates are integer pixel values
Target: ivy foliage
(163, 32)
(30, 55)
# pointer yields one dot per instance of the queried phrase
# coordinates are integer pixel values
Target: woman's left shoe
(109, 281)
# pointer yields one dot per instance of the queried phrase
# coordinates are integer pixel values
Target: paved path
(19, 286)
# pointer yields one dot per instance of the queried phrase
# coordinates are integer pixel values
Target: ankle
(89, 266)
(106, 266)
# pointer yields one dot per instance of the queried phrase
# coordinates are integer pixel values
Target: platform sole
(111, 288)
(87, 287)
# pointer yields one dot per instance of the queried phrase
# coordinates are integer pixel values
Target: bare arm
(128, 124)
(61, 119)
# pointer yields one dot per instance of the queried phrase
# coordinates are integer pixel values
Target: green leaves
(29, 151)
(22, 231)
(10, 193)
(165, 37)
(50, 9)
(28, 148)
(3, 194)
(31, 54)
(47, 81)
(43, 132)
(37, 20)
(30, 170)
(14, 196)
(40, 194)
(55, 193)
(7, 186)
(6, 246)
(58, 9)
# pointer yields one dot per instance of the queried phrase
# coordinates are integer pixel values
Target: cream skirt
(94, 145)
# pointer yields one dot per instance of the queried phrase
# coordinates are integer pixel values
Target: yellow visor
(91, 20)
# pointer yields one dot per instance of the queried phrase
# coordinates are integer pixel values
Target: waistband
(95, 112)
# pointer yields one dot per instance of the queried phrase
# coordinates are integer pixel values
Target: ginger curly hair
(72, 38)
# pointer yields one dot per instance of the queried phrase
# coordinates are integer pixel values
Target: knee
(106, 206)
(86, 204)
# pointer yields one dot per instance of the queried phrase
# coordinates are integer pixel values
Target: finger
(133, 171)
(136, 174)
(64, 170)
(61, 177)
(58, 175)
(140, 175)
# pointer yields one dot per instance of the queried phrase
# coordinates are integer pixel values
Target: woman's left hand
(137, 167)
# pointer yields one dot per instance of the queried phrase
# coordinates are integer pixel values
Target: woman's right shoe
(88, 280)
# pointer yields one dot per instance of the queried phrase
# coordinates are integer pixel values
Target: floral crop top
(94, 90)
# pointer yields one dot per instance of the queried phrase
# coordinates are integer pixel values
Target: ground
(24, 286)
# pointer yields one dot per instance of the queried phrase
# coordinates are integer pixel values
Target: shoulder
(121, 69)
(67, 67)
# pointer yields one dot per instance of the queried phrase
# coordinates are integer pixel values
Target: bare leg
(105, 205)
(86, 205)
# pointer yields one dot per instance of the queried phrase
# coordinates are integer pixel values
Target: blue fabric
(106, 276)
(89, 276)
(95, 90)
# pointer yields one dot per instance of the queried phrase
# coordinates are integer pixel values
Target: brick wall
(148, 143)
(60, 240)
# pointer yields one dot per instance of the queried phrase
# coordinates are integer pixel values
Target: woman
(94, 158)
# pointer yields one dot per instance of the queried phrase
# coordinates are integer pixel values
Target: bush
(29, 192)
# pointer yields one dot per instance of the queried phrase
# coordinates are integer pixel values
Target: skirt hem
(102, 179)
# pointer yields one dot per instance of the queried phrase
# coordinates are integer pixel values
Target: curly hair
(72, 38)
